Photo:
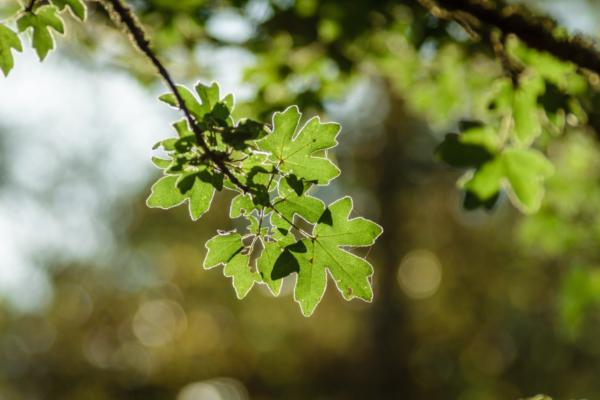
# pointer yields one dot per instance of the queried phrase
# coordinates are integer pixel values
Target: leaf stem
(272, 206)
(286, 219)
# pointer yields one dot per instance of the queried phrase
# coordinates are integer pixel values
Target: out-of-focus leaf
(77, 7)
(8, 41)
(41, 20)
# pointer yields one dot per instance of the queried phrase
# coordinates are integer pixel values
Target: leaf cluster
(277, 167)
(502, 152)
(273, 168)
(41, 21)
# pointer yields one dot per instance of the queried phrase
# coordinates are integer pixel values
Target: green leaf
(300, 154)
(312, 257)
(281, 222)
(199, 188)
(523, 171)
(77, 7)
(487, 180)
(350, 272)
(335, 227)
(245, 131)
(209, 101)
(165, 194)
(290, 203)
(167, 144)
(222, 248)
(312, 277)
(461, 155)
(41, 21)
(226, 250)
(243, 278)
(526, 171)
(188, 98)
(281, 232)
(172, 190)
(182, 128)
(8, 40)
(256, 172)
(241, 205)
(272, 266)
(481, 136)
(208, 94)
(161, 162)
(525, 110)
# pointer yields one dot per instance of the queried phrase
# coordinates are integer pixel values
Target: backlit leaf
(77, 7)
(41, 20)
(8, 41)
(300, 154)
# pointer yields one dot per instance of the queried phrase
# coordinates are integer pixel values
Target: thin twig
(510, 66)
(272, 205)
(134, 27)
(286, 219)
(537, 32)
(130, 22)
(30, 5)
(468, 23)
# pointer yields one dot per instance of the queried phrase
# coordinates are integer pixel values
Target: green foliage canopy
(273, 167)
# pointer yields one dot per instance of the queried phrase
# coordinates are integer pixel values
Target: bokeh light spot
(420, 274)
(156, 322)
(214, 389)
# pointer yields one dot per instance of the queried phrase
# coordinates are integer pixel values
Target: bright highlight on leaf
(288, 231)
(8, 41)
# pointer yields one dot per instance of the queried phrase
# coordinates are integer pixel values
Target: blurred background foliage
(468, 305)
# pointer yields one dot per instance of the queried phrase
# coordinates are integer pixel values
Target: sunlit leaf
(40, 21)
(298, 153)
(227, 250)
(8, 41)
(350, 272)
(165, 194)
(77, 7)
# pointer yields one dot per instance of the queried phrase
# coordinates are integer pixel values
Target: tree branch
(122, 13)
(539, 33)
(30, 5)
